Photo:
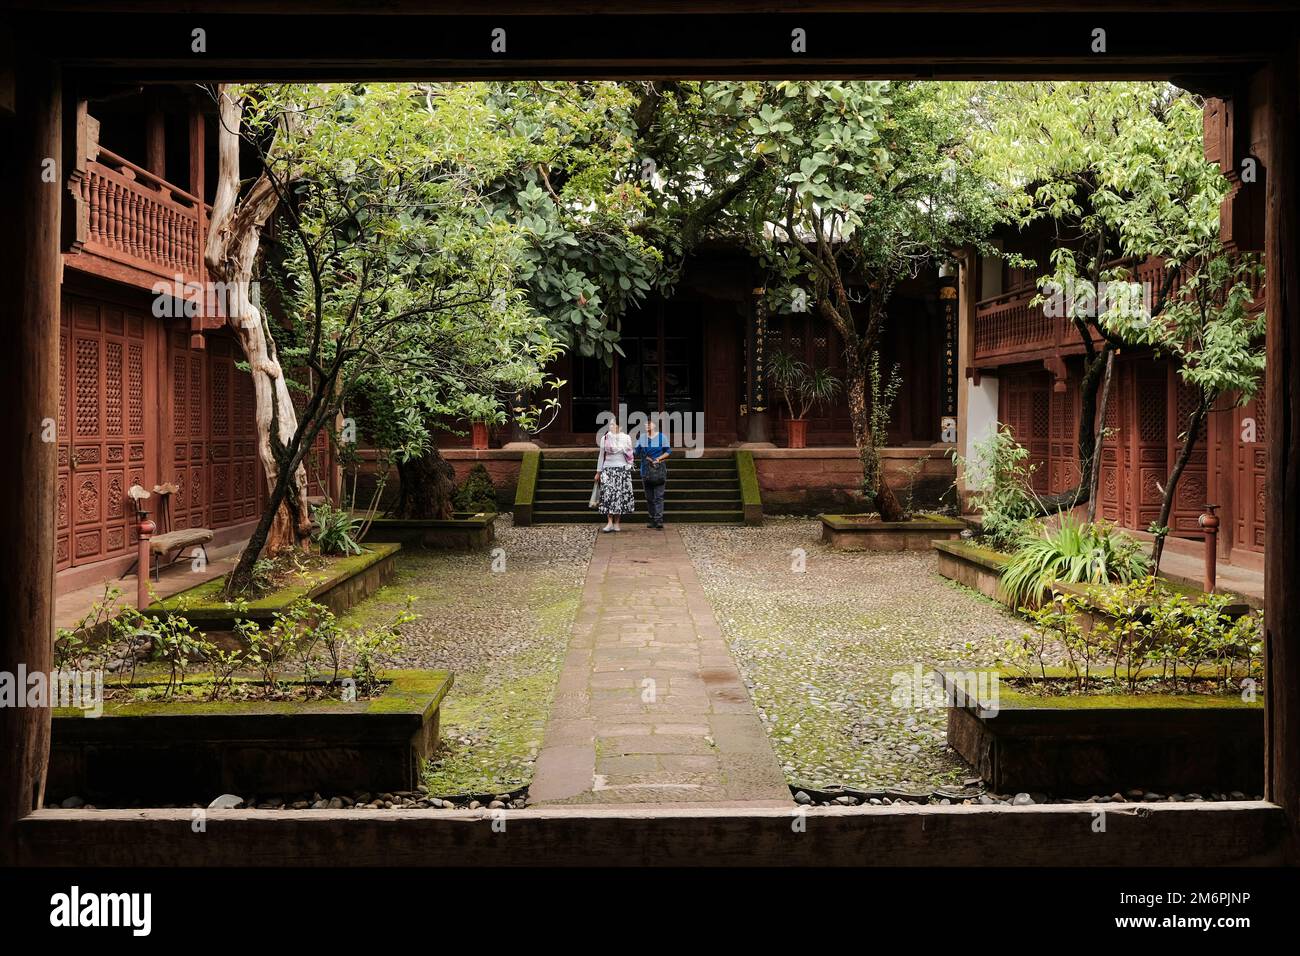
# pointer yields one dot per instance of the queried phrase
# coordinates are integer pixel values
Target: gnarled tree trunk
(233, 239)
(427, 486)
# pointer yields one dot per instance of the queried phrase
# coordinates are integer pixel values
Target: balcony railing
(141, 220)
(1007, 326)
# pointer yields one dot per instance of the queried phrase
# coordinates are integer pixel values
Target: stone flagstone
(650, 707)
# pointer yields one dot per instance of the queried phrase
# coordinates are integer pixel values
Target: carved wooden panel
(1114, 459)
(234, 477)
(187, 465)
(1193, 490)
(1250, 459)
(1063, 450)
(1024, 406)
(105, 437)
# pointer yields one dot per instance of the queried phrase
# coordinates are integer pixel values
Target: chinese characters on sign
(948, 406)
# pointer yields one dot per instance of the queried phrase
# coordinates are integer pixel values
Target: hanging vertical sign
(948, 402)
(757, 358)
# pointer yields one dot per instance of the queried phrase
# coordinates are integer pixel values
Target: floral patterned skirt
(616, 497)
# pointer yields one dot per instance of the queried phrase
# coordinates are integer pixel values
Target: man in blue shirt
(653, 450)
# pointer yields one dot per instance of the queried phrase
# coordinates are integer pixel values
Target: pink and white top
(615, 451)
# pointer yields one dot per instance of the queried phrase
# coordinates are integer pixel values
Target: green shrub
(477, 493)
(336, 530)
(1005, 497)
(1142, 629)
(1074, 552)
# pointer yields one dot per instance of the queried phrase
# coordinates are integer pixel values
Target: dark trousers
(654, 499)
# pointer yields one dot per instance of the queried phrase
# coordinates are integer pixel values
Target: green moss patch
(987, 557)
(204, 602)
(407, 692)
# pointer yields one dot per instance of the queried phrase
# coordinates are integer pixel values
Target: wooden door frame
(1207, 44)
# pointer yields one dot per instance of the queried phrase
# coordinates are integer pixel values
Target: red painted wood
(107, 442)
(235, 472)
(186, 463)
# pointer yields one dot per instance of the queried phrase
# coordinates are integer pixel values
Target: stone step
(672, 494)
(688, 474)
(693, 481)
(670, 504)
(588, 516)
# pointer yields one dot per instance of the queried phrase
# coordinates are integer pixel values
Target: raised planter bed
(343, 583)
(172, 751)
(980, 569)
(869, 533)
(465, 532)
(977, 568)
(1095, 744)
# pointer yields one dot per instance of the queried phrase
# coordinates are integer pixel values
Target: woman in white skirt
(614, 473)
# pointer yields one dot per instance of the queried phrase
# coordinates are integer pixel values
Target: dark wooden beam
(633, 7)
(1161, 834)
(162, 48)
(30, 204)
(1282, 390)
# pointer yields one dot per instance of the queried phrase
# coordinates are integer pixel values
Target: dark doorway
(661, 369)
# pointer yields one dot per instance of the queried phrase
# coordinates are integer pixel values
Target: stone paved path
(650, 707)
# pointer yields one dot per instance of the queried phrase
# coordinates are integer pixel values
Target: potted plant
(802, 388)
(478, 435)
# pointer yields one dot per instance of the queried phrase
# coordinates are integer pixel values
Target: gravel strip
(503, 633)
(821, 649)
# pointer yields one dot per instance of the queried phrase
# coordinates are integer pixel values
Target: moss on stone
(994, 560)
(526, 487)
(750, 491)
(205, 601)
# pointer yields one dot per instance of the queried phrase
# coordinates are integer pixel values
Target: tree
(1118, 171)
(574, 190)
(231, 256)
(391, 274)
(859, 186)
(1208, 328)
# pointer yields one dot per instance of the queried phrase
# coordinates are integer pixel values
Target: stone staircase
(702, 490)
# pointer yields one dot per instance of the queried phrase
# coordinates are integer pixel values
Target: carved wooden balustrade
(1007, 327)
(141, 220)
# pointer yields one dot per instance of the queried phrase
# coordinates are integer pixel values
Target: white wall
(981, 420)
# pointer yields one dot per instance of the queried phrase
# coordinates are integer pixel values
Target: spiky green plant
(1073, 552)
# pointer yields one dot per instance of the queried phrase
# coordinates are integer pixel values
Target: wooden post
(31, 181)
(757, 425)
(155, 136)
(1282, 544)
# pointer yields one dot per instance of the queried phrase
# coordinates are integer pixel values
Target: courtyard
(408, 604)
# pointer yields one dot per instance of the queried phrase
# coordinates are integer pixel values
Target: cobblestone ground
(502, 633)
(818, 649)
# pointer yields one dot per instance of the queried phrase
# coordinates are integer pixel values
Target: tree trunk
(427, 486)
(1094, 477)
(877, 491)
(1180, 463)
(1088, 437)
(233, 239)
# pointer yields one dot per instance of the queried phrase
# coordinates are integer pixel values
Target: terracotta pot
(797, 432)
(479, 435)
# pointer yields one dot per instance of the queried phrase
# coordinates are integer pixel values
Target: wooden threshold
(1246, 833)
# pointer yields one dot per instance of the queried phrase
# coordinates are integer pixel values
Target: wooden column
(155, 137)
(29, 314)
(968, 261)
(1282, 565)
(758, 430)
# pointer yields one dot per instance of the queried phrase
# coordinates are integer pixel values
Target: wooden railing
(142, 220)
(1008, 326)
